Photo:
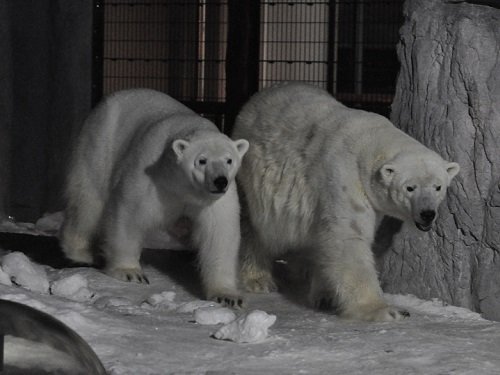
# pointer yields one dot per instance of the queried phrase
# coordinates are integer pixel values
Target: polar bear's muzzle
(425, 220)
(219, 185)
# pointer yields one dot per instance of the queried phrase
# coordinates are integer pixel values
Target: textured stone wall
(448, 97)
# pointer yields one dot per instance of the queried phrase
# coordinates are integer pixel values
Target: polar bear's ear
(452, 169)
(179, 146)
(241, 146)
(387, 172)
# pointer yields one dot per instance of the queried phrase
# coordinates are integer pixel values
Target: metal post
(333, 46)
(358, 48)
(97, 51)
(242, 58)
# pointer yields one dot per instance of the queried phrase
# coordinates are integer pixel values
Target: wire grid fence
(345, 46)
(179, 47)
(172, 46)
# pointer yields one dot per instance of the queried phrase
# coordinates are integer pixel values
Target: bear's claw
(235, 302)
(129, 275)
(402, 313)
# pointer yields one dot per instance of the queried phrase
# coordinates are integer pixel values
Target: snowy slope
(160, 336)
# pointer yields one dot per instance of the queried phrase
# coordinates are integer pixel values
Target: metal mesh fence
(179, 47)
(172, 46)
(345, 46)
(294, 42)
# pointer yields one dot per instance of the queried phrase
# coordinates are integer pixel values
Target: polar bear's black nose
(428, 215)
(220, 183)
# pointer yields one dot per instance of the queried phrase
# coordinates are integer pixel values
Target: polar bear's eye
(202, 161)
(229, 161)
(438, 188)
(410, 188)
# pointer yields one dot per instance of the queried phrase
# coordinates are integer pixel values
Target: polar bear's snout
(220, 184)
(217, 178)
(425, 200)
(424, 218)
(428, 215)
(427, 218)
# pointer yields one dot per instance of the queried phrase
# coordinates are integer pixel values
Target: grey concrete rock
(448, 97)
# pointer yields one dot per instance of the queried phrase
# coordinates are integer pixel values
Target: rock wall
(448, 97)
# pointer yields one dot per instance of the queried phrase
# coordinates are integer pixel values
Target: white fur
(144, 161)
(317, 178)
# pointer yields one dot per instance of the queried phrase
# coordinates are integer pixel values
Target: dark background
(45, 75)
(58, 58)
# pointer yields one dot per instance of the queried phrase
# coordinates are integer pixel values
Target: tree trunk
(448, 97)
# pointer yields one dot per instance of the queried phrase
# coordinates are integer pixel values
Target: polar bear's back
(295, 113)
(120, 116)
(285, 109)
(300, 139)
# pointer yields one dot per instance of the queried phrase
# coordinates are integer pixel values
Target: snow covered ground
(156, 328)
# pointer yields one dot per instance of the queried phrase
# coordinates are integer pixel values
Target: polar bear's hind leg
(79, 229)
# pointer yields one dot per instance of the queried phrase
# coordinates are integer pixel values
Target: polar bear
(318, 178)
(142, 162)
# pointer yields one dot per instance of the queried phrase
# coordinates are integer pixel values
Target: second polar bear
(144, 161)
(318, 178)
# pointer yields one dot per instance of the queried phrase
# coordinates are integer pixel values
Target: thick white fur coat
(138, 166)
(317, 178)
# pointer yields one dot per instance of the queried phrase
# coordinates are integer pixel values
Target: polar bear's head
(417, 185)
(211, 162)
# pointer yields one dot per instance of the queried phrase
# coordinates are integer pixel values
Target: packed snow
(251, 327)
(25, 273)
(214, 315)
(166, 327)
(74, 287)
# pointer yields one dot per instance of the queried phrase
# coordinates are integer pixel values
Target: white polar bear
(144, 161)
(318, 178)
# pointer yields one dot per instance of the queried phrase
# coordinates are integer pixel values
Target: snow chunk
(25, 273)
(161, 300)
(190, 307)
(74, 287)
(109, 301)
(251, 327)
(4, 278)
(214, 315)
(50, 223)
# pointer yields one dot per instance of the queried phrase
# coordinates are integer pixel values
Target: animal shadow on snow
(291, 272)
(180, 266)
(40, 249)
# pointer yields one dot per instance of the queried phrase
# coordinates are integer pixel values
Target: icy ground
(163, 328)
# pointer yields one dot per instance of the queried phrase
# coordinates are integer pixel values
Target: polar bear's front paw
(228, 300)
(391, 313)
(128, 274)
(381, 314)
(377, 311)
